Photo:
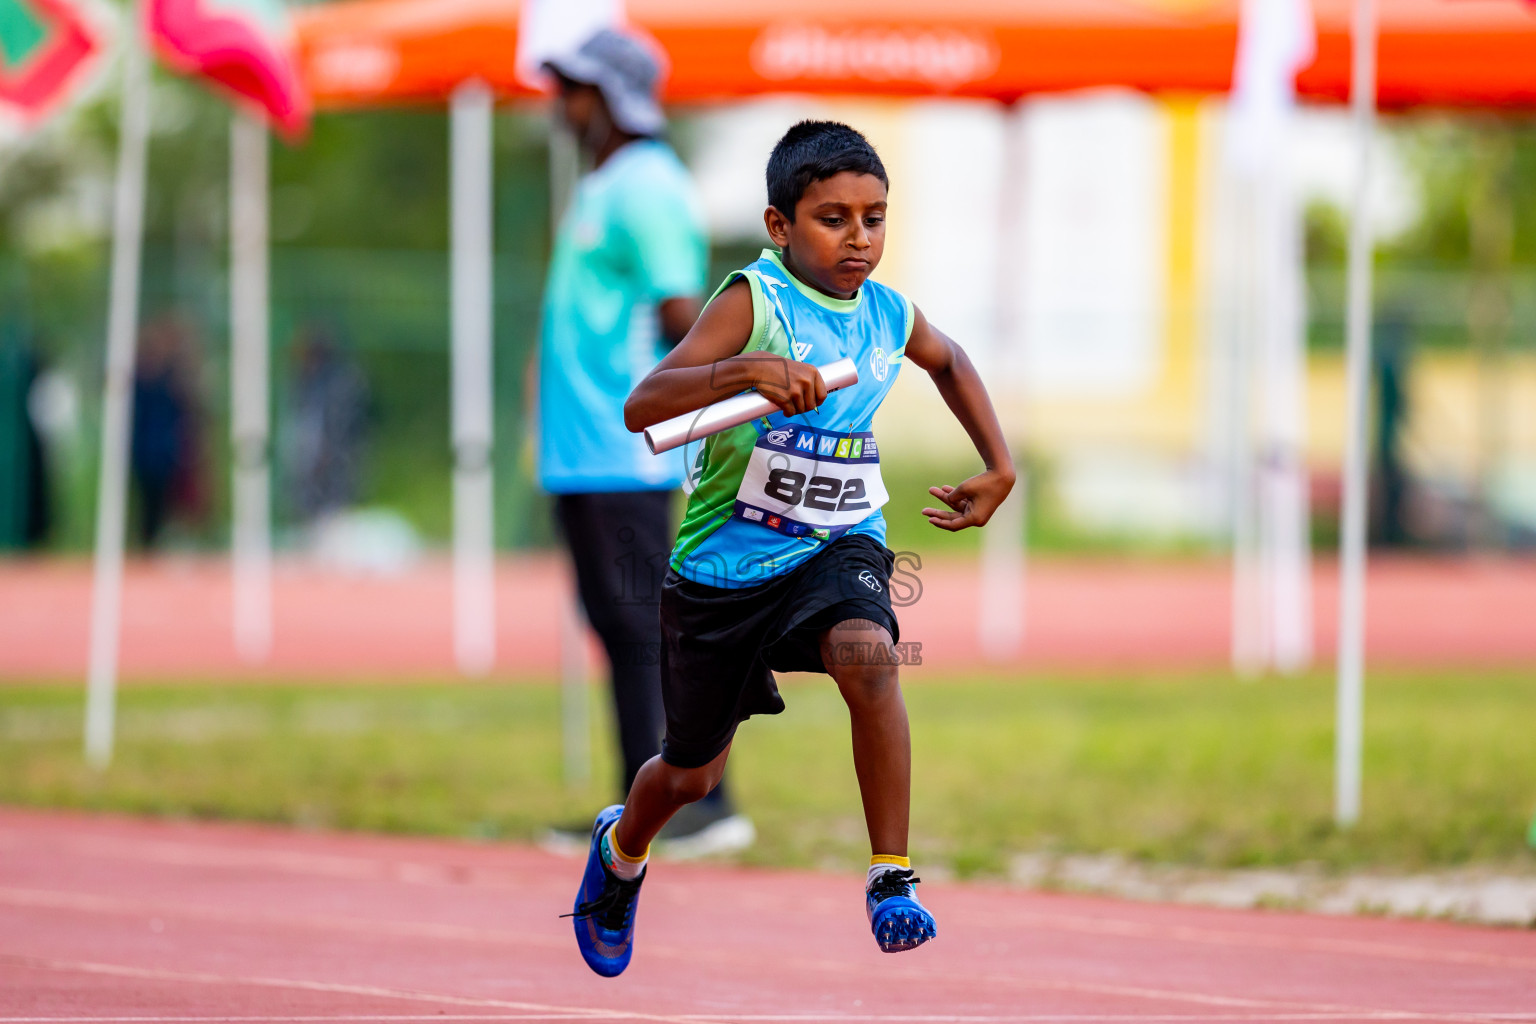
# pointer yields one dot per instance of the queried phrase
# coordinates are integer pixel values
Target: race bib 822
(805, 482)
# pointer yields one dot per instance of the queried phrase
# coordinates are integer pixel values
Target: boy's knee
(687, 785)
(867, 680)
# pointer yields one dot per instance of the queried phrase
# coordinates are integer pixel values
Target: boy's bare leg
(659, 790)
(858, 654)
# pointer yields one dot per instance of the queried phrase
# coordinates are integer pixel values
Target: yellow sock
(613, 841)
(620, 863)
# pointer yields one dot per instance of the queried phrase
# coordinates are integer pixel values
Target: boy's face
(838, 234)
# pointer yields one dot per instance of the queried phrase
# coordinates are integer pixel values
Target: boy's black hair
(815, 151)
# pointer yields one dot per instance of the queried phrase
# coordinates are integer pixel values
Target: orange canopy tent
(1432, 52)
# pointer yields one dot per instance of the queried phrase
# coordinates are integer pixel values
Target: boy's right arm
(708, 365)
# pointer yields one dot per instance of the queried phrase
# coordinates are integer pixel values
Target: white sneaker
(723, 835)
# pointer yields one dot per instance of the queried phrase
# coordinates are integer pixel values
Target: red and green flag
(243, 47)
(46, 46)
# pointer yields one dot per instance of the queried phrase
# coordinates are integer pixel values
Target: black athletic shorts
(720, 647)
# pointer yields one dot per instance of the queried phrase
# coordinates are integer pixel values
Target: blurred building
(1081, 248)
(1078, 245)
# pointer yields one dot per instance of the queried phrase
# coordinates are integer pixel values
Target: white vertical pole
(1000, 624)
(564, 169)
(1271, 617)
(117, 405)
(1351, 667)
(474, 553)
(250, 372)
(1284, 523)
(1220, 400)
(1248, 632)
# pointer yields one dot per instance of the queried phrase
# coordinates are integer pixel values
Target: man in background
(624, 285)
(166, 454)
(326, 426)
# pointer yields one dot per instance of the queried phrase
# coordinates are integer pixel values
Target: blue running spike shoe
(898, 920)
(605, 907)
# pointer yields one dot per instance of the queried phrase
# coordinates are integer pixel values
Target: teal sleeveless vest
(732, 538)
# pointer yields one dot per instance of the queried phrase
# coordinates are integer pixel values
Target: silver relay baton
(732, 412)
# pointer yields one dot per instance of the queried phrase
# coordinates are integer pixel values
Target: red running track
(1465, 613)
(105, 919)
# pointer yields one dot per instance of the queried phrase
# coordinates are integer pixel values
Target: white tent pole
(1270, 594)
(1351, 667)
(474, 553)
(249, 384)
(1248, 632)
(1222, 404)
(117, 403)
(1001, 619)
(1284, 523)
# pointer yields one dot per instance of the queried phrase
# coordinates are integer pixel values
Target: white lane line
(1126, 928)
(1108, 1018)
(323, 865)
(363, 868)
(1274, 1009)
(93, 904)
(1030, 1018)
(692, 957)
(340, 988)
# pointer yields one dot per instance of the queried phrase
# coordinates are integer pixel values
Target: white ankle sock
(881, 863)
(620, 863)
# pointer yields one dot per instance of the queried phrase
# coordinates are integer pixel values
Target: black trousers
(620, 543)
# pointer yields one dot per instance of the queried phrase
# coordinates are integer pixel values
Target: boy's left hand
(970, 504)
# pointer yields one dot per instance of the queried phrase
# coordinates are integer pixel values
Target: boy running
(780, 564)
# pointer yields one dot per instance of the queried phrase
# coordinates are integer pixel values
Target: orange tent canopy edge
(1432, 52)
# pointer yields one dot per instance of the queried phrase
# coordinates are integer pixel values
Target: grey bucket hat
(625, 71)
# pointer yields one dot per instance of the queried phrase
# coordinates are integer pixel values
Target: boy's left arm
(973, 501)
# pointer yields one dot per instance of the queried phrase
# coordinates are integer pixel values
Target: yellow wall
(1168, 419)
(1443, 404)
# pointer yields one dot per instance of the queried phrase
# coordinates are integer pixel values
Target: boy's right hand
(794, 387)
(709, 365)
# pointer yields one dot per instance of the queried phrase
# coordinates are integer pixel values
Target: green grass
(1203, 771)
